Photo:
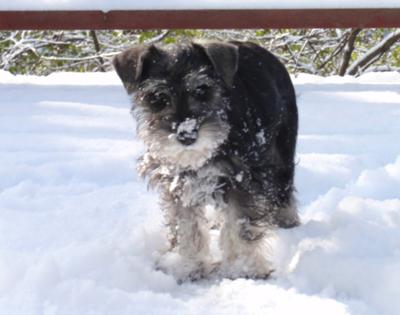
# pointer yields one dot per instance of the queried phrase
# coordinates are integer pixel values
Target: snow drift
(79, 232)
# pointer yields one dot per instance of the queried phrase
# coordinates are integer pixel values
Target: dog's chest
(202, 187)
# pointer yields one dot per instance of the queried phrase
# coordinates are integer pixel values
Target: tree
(316, 51)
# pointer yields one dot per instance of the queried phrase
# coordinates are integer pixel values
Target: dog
(220, 121)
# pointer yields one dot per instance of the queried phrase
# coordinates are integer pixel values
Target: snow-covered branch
(364, 61)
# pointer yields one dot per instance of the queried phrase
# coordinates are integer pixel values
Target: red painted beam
(201, 19)
(48, 20)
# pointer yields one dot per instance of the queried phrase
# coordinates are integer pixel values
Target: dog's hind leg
(280, 206)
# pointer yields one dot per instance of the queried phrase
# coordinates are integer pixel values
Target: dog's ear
(132, 64)
(224, 58)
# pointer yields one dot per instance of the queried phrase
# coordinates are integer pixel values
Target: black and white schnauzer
(220, 124)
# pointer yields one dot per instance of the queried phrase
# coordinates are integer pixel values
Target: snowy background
(106, 5)
(79, 232)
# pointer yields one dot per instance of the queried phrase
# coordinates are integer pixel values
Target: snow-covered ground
(106, 5)
(79, 232)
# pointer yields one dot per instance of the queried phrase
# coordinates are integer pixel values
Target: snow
(188, 128)
(79, 232)
(106, 5)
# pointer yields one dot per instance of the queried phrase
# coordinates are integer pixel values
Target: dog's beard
(164, 145)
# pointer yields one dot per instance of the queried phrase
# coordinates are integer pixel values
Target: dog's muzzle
(187, 131)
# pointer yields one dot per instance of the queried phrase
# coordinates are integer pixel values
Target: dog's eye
(202, 92)
(158, 101)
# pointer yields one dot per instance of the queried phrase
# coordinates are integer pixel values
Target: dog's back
(265, 97)
(264, 124)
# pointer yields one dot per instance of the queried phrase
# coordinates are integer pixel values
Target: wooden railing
(201, 19)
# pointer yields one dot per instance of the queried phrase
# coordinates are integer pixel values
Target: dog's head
(180, 98)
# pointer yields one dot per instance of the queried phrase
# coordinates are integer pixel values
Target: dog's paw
(185, 269)
(235, 273)
(246, 267)
(199, 271)
(287, 218)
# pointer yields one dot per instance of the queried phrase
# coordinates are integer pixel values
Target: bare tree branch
(375, 51)
(334, 53)
(97, 48)
(53, 58)
(158, 38)
(348, 50)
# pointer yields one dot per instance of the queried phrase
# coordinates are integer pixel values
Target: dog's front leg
(244, 245)
(193, 242)
(190, 234)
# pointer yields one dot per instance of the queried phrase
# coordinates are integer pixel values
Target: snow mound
(79, 232)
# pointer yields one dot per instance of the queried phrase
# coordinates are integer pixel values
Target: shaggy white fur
(189, 183)
(185, 199)
(166, 147)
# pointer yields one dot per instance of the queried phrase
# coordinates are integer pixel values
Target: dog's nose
(182, 138)
(187, 132)
(187, 138)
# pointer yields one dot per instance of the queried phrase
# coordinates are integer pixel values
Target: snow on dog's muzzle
(187, 131)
